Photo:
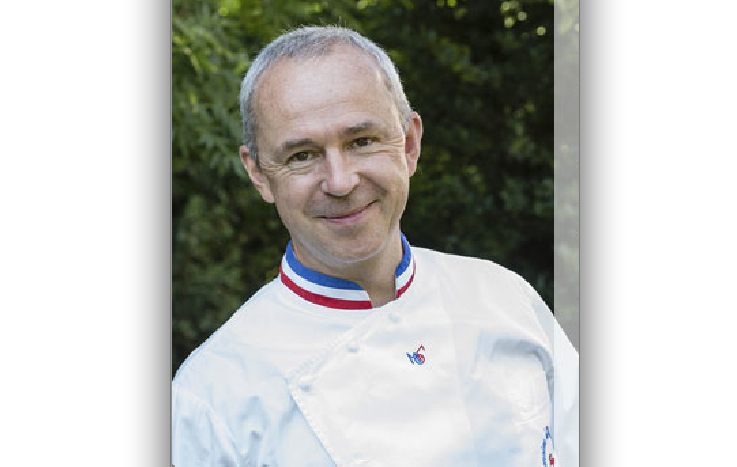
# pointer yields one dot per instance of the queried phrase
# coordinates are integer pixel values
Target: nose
(340, 177)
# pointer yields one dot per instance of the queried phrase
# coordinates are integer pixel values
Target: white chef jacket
(467, 367)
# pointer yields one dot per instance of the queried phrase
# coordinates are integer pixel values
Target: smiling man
(366, 351)
(336, 158)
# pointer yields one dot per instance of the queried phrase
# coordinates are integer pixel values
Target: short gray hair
(313, 41)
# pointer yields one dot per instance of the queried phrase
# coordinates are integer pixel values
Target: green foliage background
(480, 73)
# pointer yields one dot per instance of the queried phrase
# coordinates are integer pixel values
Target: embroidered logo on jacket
(547, 447)
(417, 357)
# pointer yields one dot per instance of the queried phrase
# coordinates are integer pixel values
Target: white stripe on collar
(333, 292)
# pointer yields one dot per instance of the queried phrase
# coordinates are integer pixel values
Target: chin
(346, 246)
(359, 251)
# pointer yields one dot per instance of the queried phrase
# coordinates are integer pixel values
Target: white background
(85, 237)
(658, 230)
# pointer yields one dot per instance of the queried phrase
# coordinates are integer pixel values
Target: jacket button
(305, 384)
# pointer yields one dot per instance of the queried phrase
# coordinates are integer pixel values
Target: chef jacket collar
(333, 292)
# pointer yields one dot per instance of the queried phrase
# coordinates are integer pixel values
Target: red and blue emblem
(333, 292)
(417, 357)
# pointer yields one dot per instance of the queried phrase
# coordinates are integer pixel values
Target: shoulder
(468, 270)
(228, 388)
(228, 393)
(478, 287)
(441, 259)
(227, 359)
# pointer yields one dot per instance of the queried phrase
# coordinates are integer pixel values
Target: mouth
(348, 217)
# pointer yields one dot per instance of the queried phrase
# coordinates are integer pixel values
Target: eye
(302, 156)
(361, 142)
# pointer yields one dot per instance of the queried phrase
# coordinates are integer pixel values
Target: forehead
(298, 78)
(345, 81)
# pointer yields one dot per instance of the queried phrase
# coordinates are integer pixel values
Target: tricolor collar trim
(333, 292)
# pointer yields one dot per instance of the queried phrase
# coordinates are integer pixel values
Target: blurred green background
(480, 73)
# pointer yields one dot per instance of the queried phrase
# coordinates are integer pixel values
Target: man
(365, 351)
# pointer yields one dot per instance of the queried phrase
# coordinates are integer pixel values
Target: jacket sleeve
(565, 383)
(199, 437)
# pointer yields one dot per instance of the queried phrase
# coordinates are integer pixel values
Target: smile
(349, 217)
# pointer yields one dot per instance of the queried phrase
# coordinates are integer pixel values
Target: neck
(376, 275)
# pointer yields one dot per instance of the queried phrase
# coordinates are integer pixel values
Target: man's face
(333, 156)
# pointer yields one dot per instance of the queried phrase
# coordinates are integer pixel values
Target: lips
(347, 216)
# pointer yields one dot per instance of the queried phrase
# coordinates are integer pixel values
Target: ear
(412, 142)
(258, 178)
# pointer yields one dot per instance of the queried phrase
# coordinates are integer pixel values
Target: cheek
(292, 196)
(384, 163)
(391, 173)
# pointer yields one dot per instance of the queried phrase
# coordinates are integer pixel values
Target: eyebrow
(290, 145)
(358, 128)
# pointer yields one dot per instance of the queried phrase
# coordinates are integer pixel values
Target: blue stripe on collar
(317, 277)
(335, 292)
(406, 257)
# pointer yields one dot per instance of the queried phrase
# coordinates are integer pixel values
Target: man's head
(312, 42)
(336, 146)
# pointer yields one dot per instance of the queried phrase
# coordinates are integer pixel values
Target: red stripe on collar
(324, 300)
(406, 286)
